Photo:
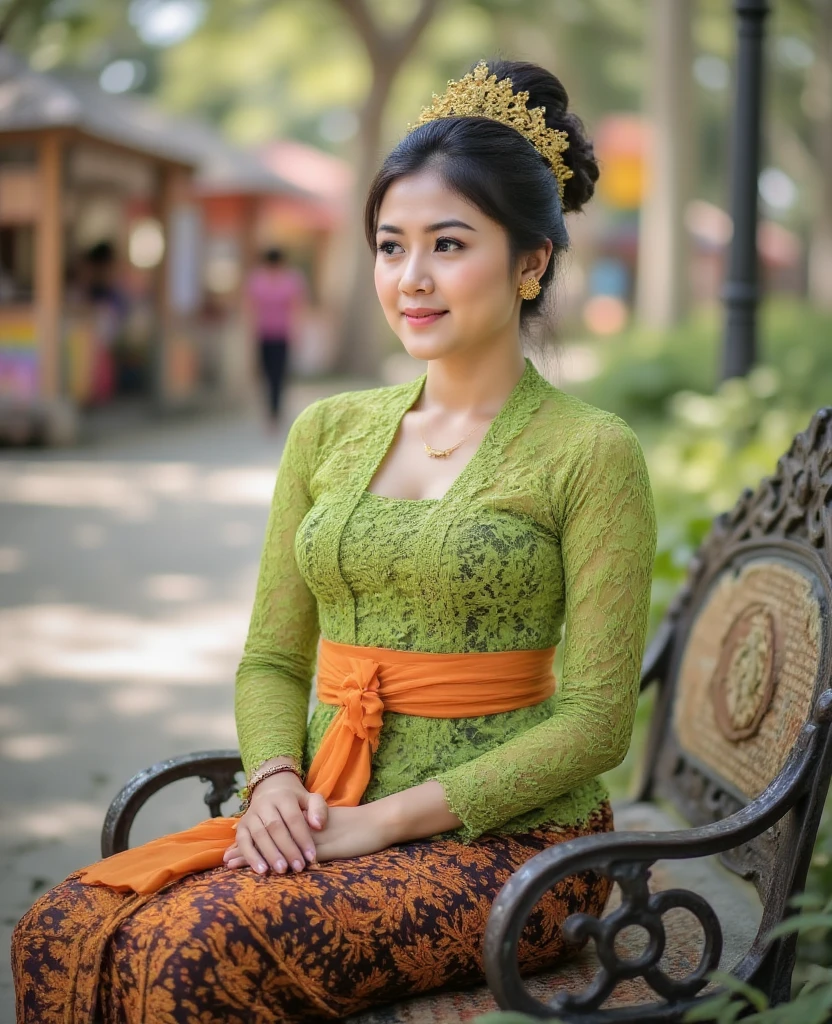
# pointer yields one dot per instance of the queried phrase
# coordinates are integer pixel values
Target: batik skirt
(229, 946)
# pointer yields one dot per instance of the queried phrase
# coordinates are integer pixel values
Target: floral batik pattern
(229, 946)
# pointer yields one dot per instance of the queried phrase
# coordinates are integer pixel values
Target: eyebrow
(393, 230)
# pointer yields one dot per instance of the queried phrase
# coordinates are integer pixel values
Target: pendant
(436, 453)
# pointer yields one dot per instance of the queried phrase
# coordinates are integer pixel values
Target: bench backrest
(748, 656)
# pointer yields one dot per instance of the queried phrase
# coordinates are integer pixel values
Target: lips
(423, 317)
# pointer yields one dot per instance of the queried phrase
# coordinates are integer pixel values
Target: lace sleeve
(274, 676)
(608, 542)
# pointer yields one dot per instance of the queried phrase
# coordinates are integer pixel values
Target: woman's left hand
(349, 832)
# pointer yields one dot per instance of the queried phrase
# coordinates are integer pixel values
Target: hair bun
(545, 90)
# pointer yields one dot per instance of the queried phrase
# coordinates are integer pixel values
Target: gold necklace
(441, 453)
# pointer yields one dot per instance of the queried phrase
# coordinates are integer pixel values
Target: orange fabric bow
(341, 768)
(365, 682)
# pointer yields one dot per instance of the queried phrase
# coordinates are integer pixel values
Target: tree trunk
(662, 287)
(361, 344)
(361, 347)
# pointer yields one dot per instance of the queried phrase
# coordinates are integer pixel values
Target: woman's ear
(534, 263)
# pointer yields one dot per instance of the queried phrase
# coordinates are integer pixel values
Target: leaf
(723, 1009)
(813, 1009)
(799, 923)
(808, 901)
(816, 975)
(752, 995)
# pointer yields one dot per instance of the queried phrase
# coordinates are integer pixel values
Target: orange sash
(365, 682)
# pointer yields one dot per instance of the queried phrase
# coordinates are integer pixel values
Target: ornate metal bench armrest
(627, 857)
(219, 767)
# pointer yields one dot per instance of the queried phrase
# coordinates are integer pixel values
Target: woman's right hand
(275, 829)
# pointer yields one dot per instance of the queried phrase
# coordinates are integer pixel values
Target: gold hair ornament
(479, 94)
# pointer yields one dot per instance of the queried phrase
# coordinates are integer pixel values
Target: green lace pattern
(547, 537)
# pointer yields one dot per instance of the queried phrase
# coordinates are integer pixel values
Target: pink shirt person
(276, 293)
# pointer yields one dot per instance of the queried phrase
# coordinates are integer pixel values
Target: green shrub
(641, 370)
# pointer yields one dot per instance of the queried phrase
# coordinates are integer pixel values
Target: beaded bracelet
(246, 793)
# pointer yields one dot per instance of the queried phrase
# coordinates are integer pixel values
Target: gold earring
(530, 289)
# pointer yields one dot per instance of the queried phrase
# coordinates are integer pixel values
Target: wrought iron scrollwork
(217, 767)
(223, 786)
(627, 857)
(641, 908)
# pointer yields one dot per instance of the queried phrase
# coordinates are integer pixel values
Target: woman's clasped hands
(276, 831)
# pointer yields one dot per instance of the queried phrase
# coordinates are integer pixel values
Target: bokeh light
(605, 314)
(147, 244)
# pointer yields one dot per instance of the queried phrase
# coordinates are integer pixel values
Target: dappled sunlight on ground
(131, 701)
(131, 490)
(236, 534)
(11, 560)
(198, 644)
(10, 718)
(34, 747)
(175, 587)
(88, 536)
(58, 820)
(211, 726)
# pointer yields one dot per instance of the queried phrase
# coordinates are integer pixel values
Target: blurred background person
(109, 304)
(277, 294)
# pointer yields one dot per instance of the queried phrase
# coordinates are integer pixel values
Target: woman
(442, 753)
(275, 293)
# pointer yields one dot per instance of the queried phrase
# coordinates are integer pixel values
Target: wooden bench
(736, 771)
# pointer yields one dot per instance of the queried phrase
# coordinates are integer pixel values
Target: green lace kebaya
(551, 524)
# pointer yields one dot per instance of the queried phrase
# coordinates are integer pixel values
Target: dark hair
(494, 167)
(273, 255)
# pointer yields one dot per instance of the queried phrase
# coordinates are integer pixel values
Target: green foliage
(641, 370)
(704, 444)
(816, 947)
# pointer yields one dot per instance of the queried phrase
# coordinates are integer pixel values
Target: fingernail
(315, 820)
(261, 867)
(280, 865)
(297, 865)
(310, 855)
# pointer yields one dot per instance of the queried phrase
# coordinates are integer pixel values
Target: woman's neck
(480, 386)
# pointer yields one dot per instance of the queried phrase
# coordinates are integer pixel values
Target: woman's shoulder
(581, 422)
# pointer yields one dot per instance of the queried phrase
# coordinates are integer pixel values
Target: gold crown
(479, 94)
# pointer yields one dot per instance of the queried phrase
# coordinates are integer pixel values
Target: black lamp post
(741, 293)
